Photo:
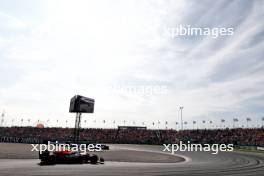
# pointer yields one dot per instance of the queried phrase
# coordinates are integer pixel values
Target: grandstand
(237, 136)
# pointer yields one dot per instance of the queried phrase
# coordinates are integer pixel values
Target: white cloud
(86, 47)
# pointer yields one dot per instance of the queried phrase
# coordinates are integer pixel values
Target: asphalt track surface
(196, 163)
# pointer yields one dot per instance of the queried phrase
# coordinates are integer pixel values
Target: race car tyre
(86, 158)
(101, 160)
(52, 160)
(94, 159)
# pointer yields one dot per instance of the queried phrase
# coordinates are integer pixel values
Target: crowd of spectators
(239, 136)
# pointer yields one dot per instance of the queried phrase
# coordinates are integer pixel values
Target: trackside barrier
(260, 148)
(244, 147)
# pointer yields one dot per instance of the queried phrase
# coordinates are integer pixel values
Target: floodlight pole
(181, 107)
(2, 120)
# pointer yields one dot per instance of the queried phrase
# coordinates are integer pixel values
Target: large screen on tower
(81, 104)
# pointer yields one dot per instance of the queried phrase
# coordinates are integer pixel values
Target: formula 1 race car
(68, 157)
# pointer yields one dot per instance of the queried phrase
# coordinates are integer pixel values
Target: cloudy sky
(52, 50)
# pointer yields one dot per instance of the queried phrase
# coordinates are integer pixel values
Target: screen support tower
(77, 127)
(80, 104)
